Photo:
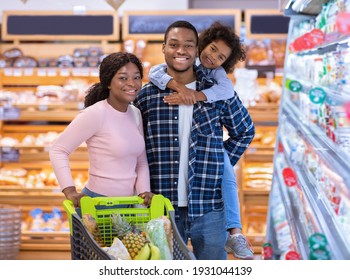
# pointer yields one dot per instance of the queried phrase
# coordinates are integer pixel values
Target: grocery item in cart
(102, 209)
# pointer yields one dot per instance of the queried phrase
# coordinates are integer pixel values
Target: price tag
(252, 150)
(289, 177)
(9, 113)
(94, 72)
(43, 107)
(8, 71)
(9, 154)
(85, 72)
(28, 71)
(280, 147)
(294, 86)
(64, 72)
(347, 110)
(42, 72)
(17, 72)
(51, 72)
(317, 95)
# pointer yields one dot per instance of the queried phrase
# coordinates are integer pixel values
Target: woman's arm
(142, 184)
(80, 129)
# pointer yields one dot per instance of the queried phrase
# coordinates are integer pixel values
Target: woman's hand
(147, 198)
(72, 195)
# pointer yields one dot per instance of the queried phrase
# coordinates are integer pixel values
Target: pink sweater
(116, 147)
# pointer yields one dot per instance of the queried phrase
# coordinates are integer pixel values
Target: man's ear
(163, 47)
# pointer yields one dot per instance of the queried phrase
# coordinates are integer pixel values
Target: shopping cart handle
(70, 210)
(69, 207)
(168, 204)
(111, 201)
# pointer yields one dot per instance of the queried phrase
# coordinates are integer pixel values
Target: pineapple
(134, 242)
(91, 225)
(120, 225)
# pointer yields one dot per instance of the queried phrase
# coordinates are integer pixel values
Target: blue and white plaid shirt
(206, 156)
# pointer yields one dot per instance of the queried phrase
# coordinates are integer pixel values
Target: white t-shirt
(185, 124)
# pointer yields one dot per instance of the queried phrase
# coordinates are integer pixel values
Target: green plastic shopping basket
(84, 247)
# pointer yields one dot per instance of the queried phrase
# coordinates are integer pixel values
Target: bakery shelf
(15, 77)
(53, 115)
(264, 113)
(45, 241)
(83, 165)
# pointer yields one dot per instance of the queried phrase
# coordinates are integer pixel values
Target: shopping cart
(84, 247)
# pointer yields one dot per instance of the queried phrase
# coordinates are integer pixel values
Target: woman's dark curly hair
(218, 31)
(108, 68)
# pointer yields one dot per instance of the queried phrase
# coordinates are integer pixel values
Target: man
(185, 147)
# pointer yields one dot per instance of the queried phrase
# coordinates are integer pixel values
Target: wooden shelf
(45, 241)
(256, 192)
(39, 148)
(53, 116)
(263, 113)
(16, 77)
(31, 198)
(83, 165)
(47, 106)
(259, 154)
(28, 155)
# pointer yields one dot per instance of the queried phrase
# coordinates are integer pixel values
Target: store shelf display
(313, 138)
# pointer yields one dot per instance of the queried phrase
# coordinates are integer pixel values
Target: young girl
(118, 166)
(219, 50)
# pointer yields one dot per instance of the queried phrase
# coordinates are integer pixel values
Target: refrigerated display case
(309, 205)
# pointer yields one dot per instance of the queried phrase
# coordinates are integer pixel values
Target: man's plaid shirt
(206, 158)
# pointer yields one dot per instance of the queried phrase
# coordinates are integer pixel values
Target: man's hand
(72, 195)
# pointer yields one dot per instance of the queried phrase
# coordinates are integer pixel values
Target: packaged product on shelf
(258, 54)
(49, 93)
(318, 245)
(95, 51)
(258, 175)
(12, 53)
(290, 255)
(4, 62)
(267, 251)
(53, 220)
(140, 48)
(36, 220)
(65, 61)
(319, 255)
(246, 85)
(25, 61)
(278, 48)
(280, 222)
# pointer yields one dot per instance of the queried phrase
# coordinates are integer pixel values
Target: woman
(113, 132)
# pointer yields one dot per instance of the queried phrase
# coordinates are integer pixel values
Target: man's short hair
(181, 24)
